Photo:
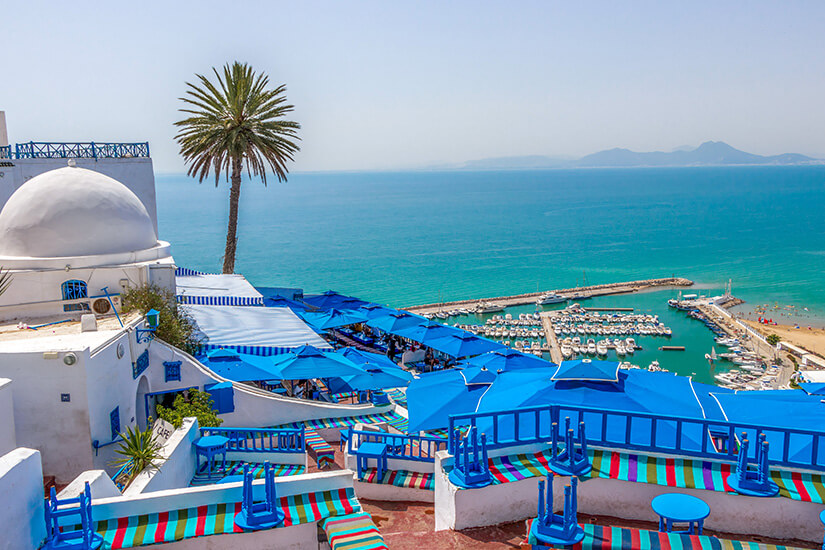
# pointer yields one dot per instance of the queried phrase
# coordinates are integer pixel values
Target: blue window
(74, 290)
(114, 422)
(172, 370)
(141, 364)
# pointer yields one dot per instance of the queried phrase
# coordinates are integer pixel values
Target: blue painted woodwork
(408, 447)
(84, 150)
(261, 440)
(557, 529)
(114, 422)
(140, 364)
(223, 396)
(171, 371)
(369, 450)
(753, 480)
(210, 447)
(636, 431)
(570, 461)
(74, 290)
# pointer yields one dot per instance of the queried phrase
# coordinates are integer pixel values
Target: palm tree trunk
(232, 229)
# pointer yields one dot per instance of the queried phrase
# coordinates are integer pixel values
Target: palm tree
(234, 123)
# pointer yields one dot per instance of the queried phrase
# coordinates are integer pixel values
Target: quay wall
(530, 297)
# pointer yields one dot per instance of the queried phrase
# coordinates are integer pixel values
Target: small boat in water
(550, 298)
(488, 307)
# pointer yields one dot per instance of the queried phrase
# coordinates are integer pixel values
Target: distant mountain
(710, 153)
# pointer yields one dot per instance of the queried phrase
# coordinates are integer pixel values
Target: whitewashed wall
(22, 521)
(8, 439)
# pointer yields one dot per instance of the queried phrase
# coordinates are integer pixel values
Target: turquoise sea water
(414, 237)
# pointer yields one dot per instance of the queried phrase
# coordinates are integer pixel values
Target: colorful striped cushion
(216, 519)
(597, 537)
(324, 453)
(671, 472)
(353, 532)
(400, 478)
(234, 468)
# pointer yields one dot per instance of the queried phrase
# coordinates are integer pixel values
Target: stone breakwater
(531, 297)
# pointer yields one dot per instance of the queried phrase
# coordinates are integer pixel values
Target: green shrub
(195, 403)
(175, 326)
(773, 339)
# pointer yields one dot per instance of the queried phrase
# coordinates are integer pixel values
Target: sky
(398, 85)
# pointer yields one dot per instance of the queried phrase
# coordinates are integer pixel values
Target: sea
(406, 238)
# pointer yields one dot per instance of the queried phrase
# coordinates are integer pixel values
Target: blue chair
(569, 461)
(263, 514)
(471, 468)
(557, 529)
(753, 480)
(83, 538)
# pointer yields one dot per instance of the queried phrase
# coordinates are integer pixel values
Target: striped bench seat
(392, 418)
(235, 468)
(597, 537)
(400, 478)
(398, 396)
(670, 472)
(323, 451)
(218, 519)
(353, 532)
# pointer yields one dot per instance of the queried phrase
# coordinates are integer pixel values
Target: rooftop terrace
(76, 150)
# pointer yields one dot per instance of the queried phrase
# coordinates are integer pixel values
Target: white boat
(601, 349)
(550, 298)
(591, 346)
(566, 351)
(620, 349)
(488, 307)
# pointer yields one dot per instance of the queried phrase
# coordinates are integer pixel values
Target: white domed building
(68, 234)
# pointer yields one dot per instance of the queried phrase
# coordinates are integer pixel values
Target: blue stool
(678, 507)
(210, 447)
(374, 450)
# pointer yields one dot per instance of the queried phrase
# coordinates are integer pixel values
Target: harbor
(495, 304)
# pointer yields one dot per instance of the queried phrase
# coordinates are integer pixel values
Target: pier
(582, 292)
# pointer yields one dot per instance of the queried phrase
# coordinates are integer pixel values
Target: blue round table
(209, 447)
(681, 508)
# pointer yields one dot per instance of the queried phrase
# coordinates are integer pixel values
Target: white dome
(73, 212)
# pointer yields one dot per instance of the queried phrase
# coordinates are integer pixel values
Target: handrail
(127, 467)
(261, 440)
(646, 432)
(401, 446)
(89, 150)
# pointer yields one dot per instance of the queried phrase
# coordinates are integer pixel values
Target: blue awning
(240, 367)
(433, 397)
(374, 311)
(508, 359)
(331, 299)
(308, 362)
(463, 344)
(427, 332)
(279, 301)
(813, 388)
(588, 370)
(393, 322)
(333, 318)
(224, 289)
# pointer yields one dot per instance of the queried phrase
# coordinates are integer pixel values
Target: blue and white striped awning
(253, 330)
(185, 271)
(216, 290)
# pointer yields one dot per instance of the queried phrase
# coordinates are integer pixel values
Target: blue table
(681, 508)
(210, 447)
(369, 450)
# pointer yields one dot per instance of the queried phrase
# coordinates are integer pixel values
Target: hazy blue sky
(389, 85)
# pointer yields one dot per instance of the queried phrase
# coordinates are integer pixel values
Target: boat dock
(579, 292)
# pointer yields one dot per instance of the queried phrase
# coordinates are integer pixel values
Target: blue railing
(86, 150)
(262, 440)
(126, 469)
(5, 151)
(400, 446)
(645, 432)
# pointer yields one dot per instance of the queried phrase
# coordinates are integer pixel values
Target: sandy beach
(811, 339)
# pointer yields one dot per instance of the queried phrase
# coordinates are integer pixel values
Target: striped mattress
(216, 519)
(597, 537)
(400, 478)
(324, 453)
(234, 468)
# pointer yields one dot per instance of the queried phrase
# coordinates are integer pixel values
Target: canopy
(379, 373)
(587, 369)
(478, 375)
(780, 408)
(433, 397)
(427, 332)
(393, 322)
(374, 311)
(367, 359)
(240, 367)
(309, 362)
(508, 359)
(813, 388)
(225, 289)
(279, 301)
(255, 330)
(331, 299)
(463, 345)
(333, 318)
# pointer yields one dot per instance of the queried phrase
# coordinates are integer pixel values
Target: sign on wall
(162, 431)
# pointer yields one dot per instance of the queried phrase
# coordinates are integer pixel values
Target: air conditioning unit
(101, 305)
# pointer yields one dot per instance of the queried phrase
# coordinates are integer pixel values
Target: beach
(811, 339)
